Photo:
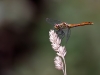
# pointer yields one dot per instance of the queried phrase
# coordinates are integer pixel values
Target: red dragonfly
(63, 28)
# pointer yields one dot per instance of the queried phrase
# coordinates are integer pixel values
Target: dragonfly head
(56, 26)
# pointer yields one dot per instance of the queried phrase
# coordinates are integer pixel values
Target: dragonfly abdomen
(81, 24)
(74, 25)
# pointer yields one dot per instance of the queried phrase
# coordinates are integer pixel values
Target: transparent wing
(60, 33)
(53, 22)
(68, 34)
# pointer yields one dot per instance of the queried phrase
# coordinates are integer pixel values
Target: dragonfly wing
(68, 34)
(53, 22)
(60, 33)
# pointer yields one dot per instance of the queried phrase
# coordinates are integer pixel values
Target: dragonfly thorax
(62, 25)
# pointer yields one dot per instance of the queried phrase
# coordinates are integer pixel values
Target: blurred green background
(83, 46)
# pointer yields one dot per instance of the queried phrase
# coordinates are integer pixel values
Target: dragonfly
(63, 28)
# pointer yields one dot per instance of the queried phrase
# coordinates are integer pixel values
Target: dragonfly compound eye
(56, 26)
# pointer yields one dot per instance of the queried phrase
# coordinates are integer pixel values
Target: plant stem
(64, 67)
